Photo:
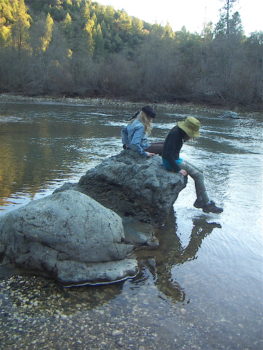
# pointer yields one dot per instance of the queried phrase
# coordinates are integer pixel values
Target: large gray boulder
(68, 236)
(133, 185)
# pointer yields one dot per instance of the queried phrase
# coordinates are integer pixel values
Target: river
(201, 288)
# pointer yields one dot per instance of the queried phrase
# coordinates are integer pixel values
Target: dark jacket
(172, 146)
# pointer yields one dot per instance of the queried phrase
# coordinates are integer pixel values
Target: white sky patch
(192, 14)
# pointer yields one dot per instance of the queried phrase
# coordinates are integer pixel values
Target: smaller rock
(139, 233)
(230, 114)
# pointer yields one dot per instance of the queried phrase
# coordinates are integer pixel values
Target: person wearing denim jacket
(134, 135)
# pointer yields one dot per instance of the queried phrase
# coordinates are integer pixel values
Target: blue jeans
(196, 174)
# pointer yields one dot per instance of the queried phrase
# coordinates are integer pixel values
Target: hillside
(81, 48)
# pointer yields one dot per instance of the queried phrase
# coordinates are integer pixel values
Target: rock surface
(132, 185)
(78, 240)
(70, 237)
(230, 114)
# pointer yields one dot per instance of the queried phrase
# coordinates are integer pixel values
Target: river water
(202, 288)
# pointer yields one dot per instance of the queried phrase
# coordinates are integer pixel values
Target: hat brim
(191, 133)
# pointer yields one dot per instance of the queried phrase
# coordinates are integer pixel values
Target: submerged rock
(68, 236)
(230, 114)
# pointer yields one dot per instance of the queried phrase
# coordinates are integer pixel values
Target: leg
(156, 147)
(202, 200)
(198, 178)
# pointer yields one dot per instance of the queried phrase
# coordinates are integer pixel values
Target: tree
(20, 25)
(235, 26)
(98, 41)
(5, 21)
(207, 32)
(14, 23)
(228, 7)
(46, 38)
(228, 23)
(81, 47)
(254, 48)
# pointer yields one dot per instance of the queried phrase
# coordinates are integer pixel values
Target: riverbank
(116, 103)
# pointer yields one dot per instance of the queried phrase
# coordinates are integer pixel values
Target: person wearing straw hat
(134, 135)
(184, 131)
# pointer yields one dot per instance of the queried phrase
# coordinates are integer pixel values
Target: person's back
(134, 135)
(172, 146)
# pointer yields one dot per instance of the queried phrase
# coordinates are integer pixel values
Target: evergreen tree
(235, 26)
(228, 7)
(14, 23)
(228, 24)
(46, 38)
(6, 19)
(21, 24)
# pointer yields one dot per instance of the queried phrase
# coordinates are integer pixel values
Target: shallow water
(201, 289)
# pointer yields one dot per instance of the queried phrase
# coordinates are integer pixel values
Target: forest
(79, 48)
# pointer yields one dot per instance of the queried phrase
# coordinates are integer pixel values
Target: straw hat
(190, 126)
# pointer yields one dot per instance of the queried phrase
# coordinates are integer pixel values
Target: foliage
(79, 47)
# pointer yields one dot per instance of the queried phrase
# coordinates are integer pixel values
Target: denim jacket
(134, 137)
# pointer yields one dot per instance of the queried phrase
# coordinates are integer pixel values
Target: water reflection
(172, 253)
(33, 153)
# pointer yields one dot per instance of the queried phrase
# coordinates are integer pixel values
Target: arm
(173, 164)
(173, 145)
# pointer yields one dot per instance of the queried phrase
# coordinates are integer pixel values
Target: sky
(190, 13)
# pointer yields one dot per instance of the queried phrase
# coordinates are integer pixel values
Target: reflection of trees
(34, 153)
(171, 253)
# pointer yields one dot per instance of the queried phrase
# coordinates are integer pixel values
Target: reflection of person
(184, 131)
(201, 229)
(134, 135)
(172, 253)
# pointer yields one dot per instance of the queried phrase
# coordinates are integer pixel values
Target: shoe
(198, 204)
(210, 207)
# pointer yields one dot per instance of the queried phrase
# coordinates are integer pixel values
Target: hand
(149, 154)
(183, 172)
